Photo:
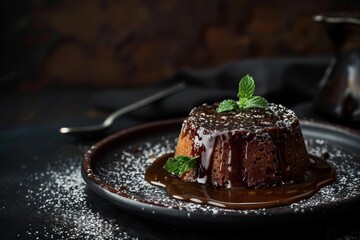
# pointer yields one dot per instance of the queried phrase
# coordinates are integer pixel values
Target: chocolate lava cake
(259, 147)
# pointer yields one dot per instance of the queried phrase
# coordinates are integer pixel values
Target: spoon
(106, 124)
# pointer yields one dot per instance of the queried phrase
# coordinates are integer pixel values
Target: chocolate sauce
(319, 174)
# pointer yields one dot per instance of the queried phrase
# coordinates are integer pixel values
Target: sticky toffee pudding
(241, 157)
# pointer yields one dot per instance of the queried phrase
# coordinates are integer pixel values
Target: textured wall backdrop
(137, 42)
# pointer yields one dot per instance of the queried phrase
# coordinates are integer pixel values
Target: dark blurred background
(101, 44)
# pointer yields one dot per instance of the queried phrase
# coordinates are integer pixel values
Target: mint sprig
(246, 98)
(180, 164)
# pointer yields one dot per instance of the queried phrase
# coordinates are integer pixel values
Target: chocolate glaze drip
(235, 130)
(319, 174)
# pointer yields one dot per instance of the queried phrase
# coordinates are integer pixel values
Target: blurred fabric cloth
(281, 80)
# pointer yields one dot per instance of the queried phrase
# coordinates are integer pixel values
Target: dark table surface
(43, 195)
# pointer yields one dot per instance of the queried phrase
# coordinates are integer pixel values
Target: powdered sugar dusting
(63, 193)
(59, 195)
(253, 119)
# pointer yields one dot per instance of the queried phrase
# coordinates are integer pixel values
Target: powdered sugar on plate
(124, 167)
(60, 197)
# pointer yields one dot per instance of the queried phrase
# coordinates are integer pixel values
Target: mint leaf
(256, 102)
(246, 98)
(227, 105)
(180, 164)
(246, 87)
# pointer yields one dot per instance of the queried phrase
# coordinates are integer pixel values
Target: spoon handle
(110, 119)
(143, 102)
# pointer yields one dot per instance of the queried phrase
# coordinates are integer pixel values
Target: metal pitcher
(338, 96)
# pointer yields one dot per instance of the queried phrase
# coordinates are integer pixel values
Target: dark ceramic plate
(114, 168)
